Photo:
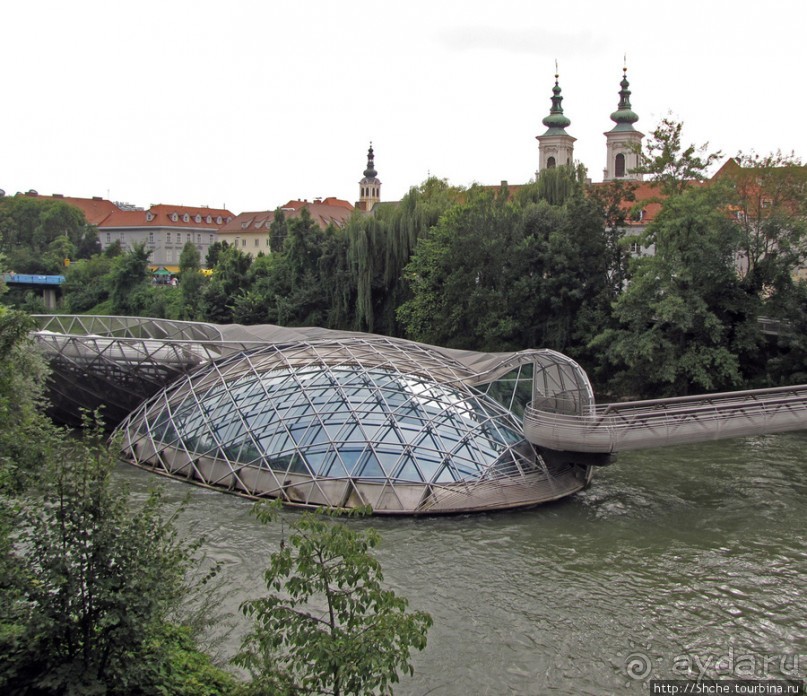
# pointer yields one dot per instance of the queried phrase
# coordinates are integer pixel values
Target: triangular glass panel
(371, 467)
(407, 471)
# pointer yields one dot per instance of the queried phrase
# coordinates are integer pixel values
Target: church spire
(623, 142)
(370, 172)
(556, 122)
(369, 186)
(624, 116)
(555, 146)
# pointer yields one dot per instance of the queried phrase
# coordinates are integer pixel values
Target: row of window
(174, 217)
(169, 239)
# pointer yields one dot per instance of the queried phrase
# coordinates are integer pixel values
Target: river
(687, 558)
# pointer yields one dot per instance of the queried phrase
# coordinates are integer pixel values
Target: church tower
(623, 140)
(556, 146)
(370, 186)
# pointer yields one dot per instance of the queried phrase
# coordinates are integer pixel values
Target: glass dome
(344, 423)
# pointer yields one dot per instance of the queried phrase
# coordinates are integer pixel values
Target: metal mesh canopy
(117, 362)
(361, 420)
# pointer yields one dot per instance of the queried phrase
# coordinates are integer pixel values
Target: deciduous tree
(328, 626)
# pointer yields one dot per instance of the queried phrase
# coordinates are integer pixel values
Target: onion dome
(370, 172)
(556, 122)
(624, 116)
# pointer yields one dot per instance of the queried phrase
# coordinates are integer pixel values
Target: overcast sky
(248, 104)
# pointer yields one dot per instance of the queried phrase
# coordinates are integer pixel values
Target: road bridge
(48, 285)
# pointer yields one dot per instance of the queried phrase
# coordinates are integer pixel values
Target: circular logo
(638, 666)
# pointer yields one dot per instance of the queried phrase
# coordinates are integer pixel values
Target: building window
(167, 237)
(550, 162)
(208, 219)
(151, 237)
(218, 220)
(149, 217)
(174, 217)
(188, 237)
(619, 166)
(198, 218)
(108, 237)
(243, 242)
(634, 248)
(211, 239)
(257, 241)
(198, 237)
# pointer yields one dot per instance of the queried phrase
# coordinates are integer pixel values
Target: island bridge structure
(317, 417)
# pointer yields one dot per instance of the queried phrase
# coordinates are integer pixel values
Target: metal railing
(661, 422)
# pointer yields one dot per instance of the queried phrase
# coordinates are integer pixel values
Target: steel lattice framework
(337, 418)
(318, 417)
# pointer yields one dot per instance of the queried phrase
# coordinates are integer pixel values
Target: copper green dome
(556, 122)
(624, 116)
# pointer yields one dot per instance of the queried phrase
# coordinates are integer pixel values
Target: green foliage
(191, 283)
(101, 580)
(229, 280)
(684, 324)
(328, 625)
(555, 185)
(613, 199)
(213, 252)
(499, 275)
(25, 434)
(38, 234)
(129, 281)
(768, 196)
(278, 232)
(181, 669)
(669, 163)
(86, 283)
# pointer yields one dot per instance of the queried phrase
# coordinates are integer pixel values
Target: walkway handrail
(659, 422)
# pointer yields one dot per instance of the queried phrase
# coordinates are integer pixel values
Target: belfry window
(550, 162)
(619, 166)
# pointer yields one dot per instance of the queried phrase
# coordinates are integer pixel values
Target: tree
(25, 433)
(129, 281)
(667, 162)
(328, 626)
(30, 225)
(278, 231)
(191, 282)
(768, 196)
(213, 252)
(684, 324)
(102, 582)
(459, 276)
(614, 198)
(230, 279)
(86, 284)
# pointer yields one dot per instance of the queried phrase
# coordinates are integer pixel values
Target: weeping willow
(556, 185)
(363, 238)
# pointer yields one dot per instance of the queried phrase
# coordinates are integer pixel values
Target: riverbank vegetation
(666, 308)
(99, 595)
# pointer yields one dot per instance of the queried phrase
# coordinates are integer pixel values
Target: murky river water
(686, 558)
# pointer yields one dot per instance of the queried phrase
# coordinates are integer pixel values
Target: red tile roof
(95, 209)
(328, 211)
(169, 216)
